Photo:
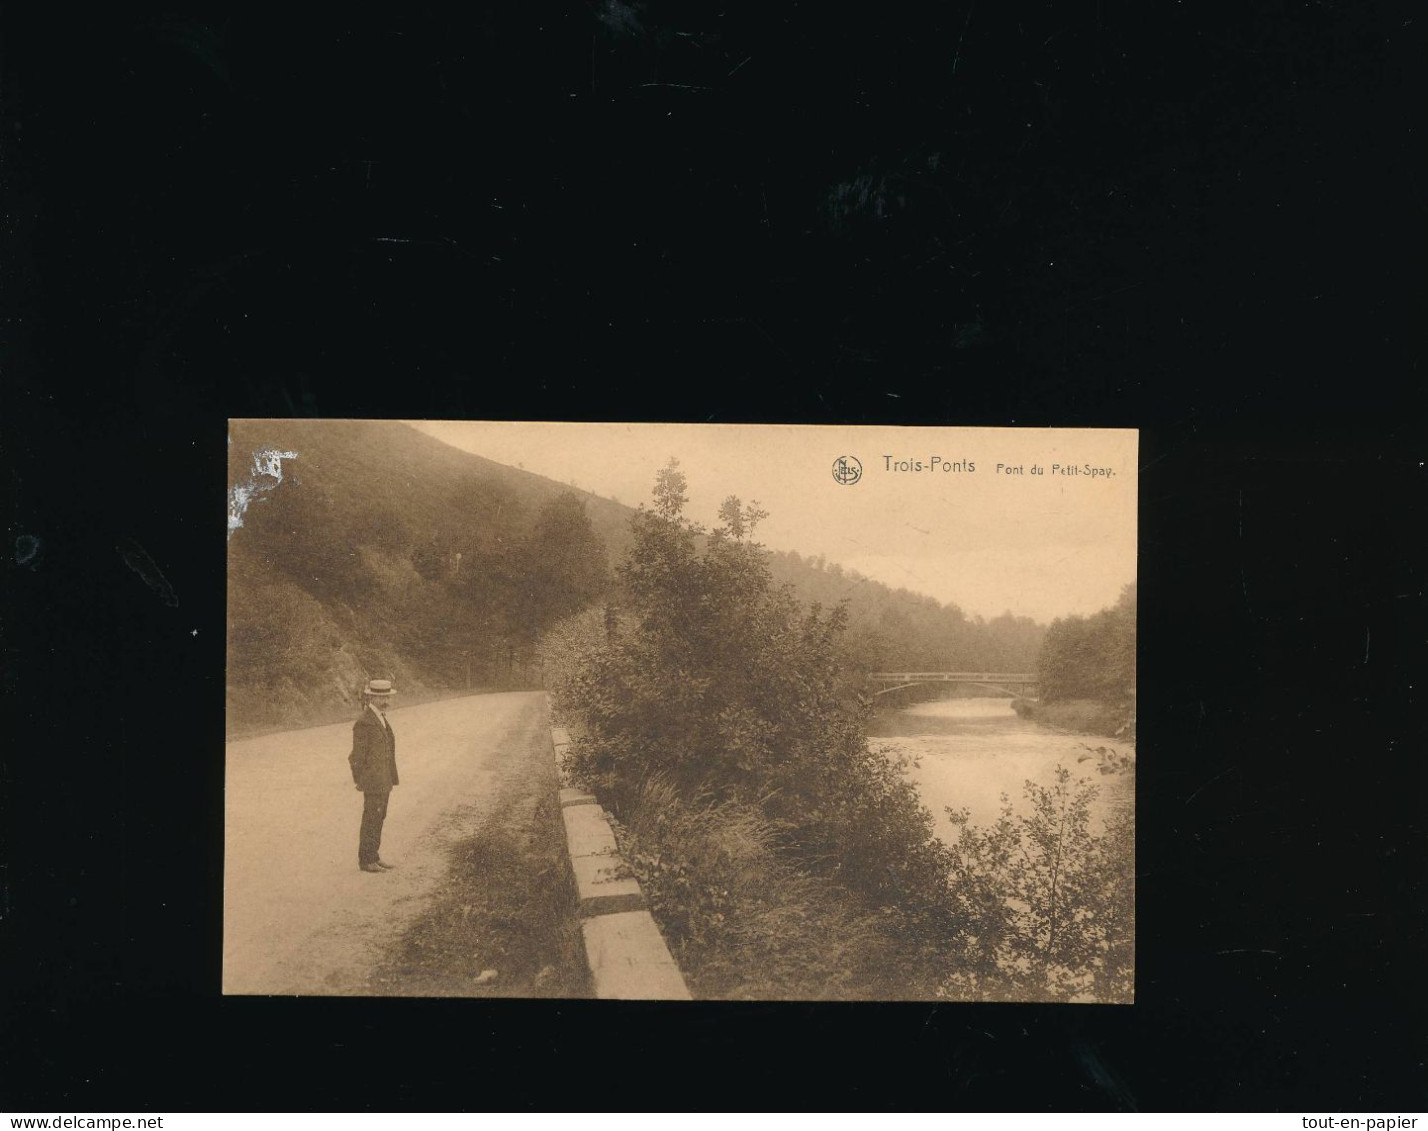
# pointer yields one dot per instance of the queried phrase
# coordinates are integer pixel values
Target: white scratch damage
(266, 474)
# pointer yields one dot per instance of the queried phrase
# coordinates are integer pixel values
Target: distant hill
(387, 461)
(898, 629)
(385, 552)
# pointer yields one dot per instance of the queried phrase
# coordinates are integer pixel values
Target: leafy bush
(725, 686)
(745, 921)
(1048, 904)
(718, 719)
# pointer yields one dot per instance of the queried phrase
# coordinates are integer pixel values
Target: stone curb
(627, 955)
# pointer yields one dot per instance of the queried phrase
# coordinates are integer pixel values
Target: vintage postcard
(678, 711)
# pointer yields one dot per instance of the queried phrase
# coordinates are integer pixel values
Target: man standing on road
(374, 769)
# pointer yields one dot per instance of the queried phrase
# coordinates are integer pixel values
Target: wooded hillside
(1092, 657)
(898, 629)
(385, 552)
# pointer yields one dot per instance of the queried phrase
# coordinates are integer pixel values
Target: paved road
(299, 917)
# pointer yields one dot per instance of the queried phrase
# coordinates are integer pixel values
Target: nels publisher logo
(847, 470)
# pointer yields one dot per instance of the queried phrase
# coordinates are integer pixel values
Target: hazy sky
(1042, 546)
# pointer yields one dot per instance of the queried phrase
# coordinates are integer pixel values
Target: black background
(1206, 224)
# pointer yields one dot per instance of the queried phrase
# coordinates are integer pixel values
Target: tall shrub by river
(717, 718)
(724, 690)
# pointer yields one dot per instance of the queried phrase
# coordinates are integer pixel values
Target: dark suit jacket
(374, 754)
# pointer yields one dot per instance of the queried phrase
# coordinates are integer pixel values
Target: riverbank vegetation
(1080, 716)
(719, 719)
(1086, 670)
(1050, 905)
(717, 722)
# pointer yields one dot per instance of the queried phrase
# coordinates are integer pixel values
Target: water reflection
(969, 752)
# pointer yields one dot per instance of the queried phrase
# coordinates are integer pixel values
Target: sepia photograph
(560, 533)
(680, 711)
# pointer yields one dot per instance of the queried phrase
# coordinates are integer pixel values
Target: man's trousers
(369, 840)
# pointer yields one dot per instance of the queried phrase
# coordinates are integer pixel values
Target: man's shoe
(370, 868)
(385, 866)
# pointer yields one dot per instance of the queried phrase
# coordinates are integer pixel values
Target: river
(968, 752)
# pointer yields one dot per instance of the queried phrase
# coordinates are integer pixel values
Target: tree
(738, 520)
(726, 686)
(1091, 657)
(1047, 904)
(310, 538)
(562, 567)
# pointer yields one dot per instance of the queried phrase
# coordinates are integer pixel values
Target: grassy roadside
(507, 904)
(745, 922)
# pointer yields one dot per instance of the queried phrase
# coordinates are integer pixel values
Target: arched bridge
(1008, 683)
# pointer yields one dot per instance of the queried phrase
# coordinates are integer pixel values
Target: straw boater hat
(379, 687)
